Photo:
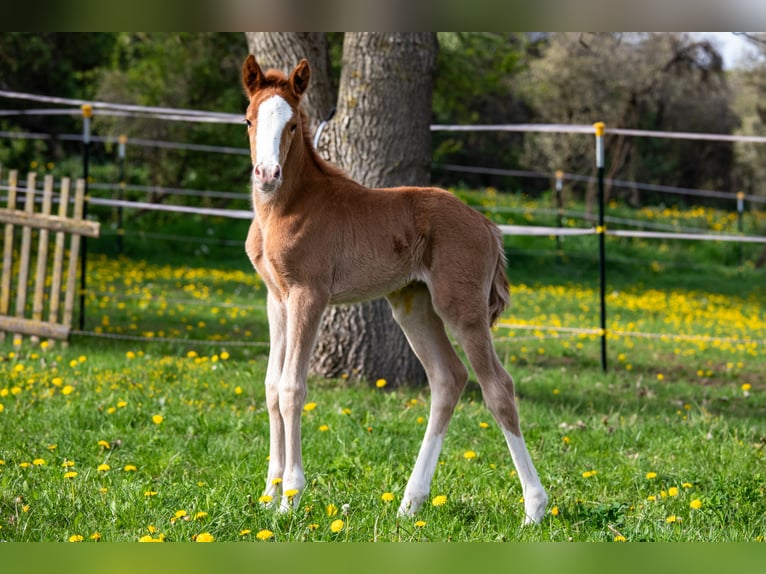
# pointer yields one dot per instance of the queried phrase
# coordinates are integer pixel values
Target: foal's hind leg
(447, 377)
(474, 336)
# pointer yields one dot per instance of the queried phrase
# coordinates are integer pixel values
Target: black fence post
(599, 127)
(123, 139)
(87, 112)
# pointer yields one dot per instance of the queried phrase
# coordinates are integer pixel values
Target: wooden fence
(53, 281)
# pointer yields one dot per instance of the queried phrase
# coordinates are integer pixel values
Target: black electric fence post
(599, 127)
(123, 139)
(559, 206)
(87, 112)
(740, 227)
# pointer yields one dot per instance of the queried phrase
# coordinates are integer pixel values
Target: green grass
(689, 410)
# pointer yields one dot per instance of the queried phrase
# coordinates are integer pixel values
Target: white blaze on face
(273, 115)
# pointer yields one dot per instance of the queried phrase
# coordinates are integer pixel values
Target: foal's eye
(249, 123)
(292, 128)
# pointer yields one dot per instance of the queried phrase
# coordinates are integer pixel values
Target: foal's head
(272, 118)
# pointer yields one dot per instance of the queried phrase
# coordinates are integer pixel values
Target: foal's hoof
(534, 506)
(411, 504)
(289, 501)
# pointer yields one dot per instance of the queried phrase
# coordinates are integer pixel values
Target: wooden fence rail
(51, 281)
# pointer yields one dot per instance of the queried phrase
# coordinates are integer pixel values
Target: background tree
(381, 136)
(180, 70)
(644, 81)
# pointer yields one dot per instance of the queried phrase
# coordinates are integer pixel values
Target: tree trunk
(381, 136)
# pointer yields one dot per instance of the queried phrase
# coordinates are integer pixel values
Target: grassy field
(152, 426)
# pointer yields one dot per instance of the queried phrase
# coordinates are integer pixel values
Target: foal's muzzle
(267, 177)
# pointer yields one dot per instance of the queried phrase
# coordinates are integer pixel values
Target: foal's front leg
(304, 311)
(277, 312)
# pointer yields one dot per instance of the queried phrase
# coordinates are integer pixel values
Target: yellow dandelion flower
(469, 454)
(566, 439)
(57, 381)
(224, 356)
(420, 523)
(746, 387)
(555, 511)
(380, 383)
(309, 407)
(96, 536)
(238, 390)
(122, 404)
(204, 537)
(660, 377)
(313, 526)
(324, 428)
(695, 504)
(387, 497)
(673, 491)
(24, 464)
(180, 513)
(291, 493)
(245, 532)
(420, 420)
(103, 490)
(651, 475)
(277, 481)
(483, 425)
(200, 515)
(331, 510)
(439, 500)
(2, 407)
(265, 499)
(70, 474)
(149, 493)
(620, 538)
(67, 390)
(157, 419)
(672, 518)
(651, 498)
(104, 444)
(687, 485)
(264, 535)
(76, 538)
(52, 447)
(588, 473)
(39, 462)
(130, 468)
(337, 526)
(346, 411)
(130, 355)
(103, 467)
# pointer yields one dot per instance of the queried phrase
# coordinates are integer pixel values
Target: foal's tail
(499, 295)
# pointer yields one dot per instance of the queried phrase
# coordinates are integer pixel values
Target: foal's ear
(252, 75)
(299, 78)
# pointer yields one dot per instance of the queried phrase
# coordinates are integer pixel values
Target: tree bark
(381, 136)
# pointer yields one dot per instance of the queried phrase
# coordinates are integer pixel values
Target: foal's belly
(363, 284)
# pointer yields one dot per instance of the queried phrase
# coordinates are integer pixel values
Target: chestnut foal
(318, 238)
